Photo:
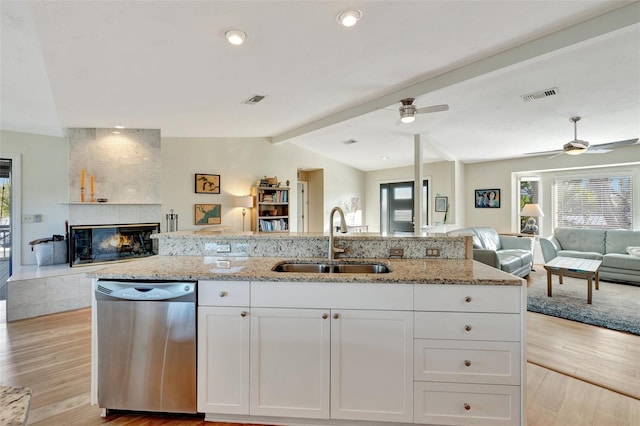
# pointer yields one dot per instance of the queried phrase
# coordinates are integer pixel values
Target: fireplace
(96, 244)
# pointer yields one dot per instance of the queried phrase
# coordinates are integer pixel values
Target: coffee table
(575, 268)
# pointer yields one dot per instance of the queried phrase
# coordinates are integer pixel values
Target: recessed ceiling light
(349, 18)
(235, 37)
(384, 158)
(119, 127)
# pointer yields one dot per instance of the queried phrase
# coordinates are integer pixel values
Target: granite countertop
(239, 268)
(14, 405)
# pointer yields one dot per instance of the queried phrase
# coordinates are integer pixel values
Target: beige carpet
(603, 357)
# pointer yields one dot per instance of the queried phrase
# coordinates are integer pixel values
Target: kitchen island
(433, 341)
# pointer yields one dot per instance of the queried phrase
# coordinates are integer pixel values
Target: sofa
(614, 247)
(508, 253)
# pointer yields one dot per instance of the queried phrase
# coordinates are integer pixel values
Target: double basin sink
(332, 267)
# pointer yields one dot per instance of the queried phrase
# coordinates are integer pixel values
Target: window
(603, 202)
(529, 194)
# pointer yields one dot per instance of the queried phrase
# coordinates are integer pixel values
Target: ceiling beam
(617, 19)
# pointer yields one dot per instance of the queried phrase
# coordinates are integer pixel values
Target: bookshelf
(272, 209)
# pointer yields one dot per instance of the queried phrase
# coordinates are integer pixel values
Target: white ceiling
(166, 65)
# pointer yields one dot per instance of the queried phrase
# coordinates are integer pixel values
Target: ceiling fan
(577, 146)
(408, 110)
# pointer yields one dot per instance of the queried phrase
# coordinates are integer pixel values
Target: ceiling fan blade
(555, 151)
(434, 108)
(556, 154)
(597, 151)
(611, 145)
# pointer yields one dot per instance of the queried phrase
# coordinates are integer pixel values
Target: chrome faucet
(343, 228)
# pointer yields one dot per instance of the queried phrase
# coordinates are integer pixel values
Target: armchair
(508, 253)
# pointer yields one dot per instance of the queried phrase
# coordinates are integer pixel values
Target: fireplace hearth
(96, 244)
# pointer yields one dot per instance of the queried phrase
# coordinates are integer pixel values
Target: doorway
(303, 206)
(5, 225)
(396, 207)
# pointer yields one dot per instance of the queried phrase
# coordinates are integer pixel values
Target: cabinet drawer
(398, 297)
(467, 361)
(223, 293)
(467, 326)
(457, 404)
(468, 298)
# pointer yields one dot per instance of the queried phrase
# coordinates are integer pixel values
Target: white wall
(501, 174)
(240, 162)
(44, 173)
(441, 177)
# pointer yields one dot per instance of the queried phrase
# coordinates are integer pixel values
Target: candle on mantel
(82, 173)
(91, 182)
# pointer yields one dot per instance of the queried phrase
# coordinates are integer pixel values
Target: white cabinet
(290, 362)
(467, 404)
(274, 352)
(223, 347)
(371, 365)
(468, 355)
(223, 360)
(343, 348)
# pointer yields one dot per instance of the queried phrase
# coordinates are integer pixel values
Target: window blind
(602, 202)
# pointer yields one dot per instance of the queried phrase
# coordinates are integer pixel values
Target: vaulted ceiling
(167, 65)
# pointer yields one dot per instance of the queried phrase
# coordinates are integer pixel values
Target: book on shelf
(273, 225)
(276, 196)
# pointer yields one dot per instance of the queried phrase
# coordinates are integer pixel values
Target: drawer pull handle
(223, 294)
(467, 407)
(467, 328)
(336, 316)
(243, 314)
(467, 363)
(468, 299)
(325, 316)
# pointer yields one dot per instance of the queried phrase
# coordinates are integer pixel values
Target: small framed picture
(208, 214)
(487, 198)
(441, 204)
(207, 184)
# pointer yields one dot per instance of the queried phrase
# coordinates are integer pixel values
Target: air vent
(254, 99)
(104, 290)
(539, 95)
(349, 141)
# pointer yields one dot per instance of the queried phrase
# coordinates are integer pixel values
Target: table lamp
(246, 202)
(532, 211)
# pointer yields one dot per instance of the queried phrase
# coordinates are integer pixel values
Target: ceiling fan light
(407, 118)
(576, 147)
(348, 18)
(235, 37)
(575, 151)
(407, 113)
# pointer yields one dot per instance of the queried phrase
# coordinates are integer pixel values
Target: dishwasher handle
(178, 291)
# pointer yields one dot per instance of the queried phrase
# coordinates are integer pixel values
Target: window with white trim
(602, 202)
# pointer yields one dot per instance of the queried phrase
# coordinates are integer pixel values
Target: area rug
(614, 306)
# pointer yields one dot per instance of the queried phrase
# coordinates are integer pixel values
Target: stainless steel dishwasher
(146, 345)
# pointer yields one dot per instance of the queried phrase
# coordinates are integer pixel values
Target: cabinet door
(372, 365)
(290, 350)
(223, 360)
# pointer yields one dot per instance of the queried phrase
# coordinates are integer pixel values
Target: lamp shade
(244, 201)
(532, 210)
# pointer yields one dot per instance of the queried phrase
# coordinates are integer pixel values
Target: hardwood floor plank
(51, 355)
(604, 357)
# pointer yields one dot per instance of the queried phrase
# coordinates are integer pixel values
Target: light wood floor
(51, 355)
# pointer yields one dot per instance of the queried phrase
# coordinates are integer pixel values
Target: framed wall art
(207, 184)
(487, 198)
(441, 204)
(208, 214)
